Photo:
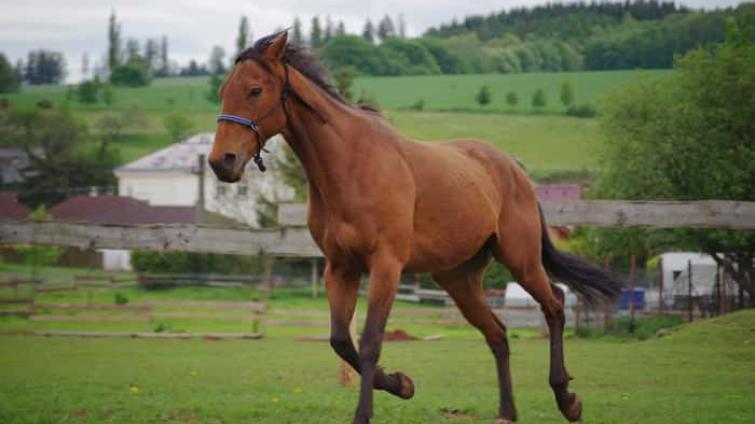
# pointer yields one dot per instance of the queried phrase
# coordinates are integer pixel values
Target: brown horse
(381, 204)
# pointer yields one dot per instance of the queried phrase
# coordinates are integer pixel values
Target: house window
(220, 189)
(242, 190)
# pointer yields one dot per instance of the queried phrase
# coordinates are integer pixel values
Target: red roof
(10, 208)
(558, 192)
(120, 210)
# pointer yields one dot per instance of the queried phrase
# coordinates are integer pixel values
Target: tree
(44, 67)
(134, 73)
(539, 100)
(567, 93)
(296, 35)
(8, 81)
(61, 161)
(164, 67)
(344, 78)
(242, 36)
(151, 53)
(132, 49)
(217, 61)
(114, 42)
(340, 29)
(84, 65)
(213, 92)
(368, 33)
(88, 91)
(328, 30)
(484, 96)
(689, 136)
(315, 38)
(401, 26)
(386, 28)
(178, 126)
(512, 99)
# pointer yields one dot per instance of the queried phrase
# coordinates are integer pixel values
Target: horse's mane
(298, 58)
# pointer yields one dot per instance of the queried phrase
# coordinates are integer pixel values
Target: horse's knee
(340, 344)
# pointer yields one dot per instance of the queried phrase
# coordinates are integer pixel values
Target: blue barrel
(638, 295)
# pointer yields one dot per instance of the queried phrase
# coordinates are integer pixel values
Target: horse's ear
(276, 48)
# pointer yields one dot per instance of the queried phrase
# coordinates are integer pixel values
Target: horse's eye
(254, 92)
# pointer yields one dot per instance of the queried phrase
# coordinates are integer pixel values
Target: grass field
(547, 143)
(700, 374)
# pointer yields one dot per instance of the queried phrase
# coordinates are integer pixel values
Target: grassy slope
(703, 373)
(448, 92)
(546, 143)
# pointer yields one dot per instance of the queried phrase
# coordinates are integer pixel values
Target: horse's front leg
(385, 273)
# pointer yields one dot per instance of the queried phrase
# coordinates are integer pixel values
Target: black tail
(581, 276)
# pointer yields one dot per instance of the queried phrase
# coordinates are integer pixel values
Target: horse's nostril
(229, 159)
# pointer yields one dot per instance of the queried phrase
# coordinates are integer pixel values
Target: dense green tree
(8, 81)
(44, 67)
(484, 96)
(368, 33)
(419, 61)
(134, 73)
(385, 28)
(566, 93)
(88, 91)
(315, 35)
(242, 36)
(113, 42)
(297, 37)
(178, 126)
(539, 100)
(344, 78)
(512, 99)
(688, 136)
(447, 61)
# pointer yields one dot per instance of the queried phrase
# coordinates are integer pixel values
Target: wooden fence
(294, 240)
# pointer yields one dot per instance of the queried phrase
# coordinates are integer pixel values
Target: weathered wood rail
(293, 240)
(615, 213)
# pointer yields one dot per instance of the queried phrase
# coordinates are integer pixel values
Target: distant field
(439, 92)
(453, 92)
(546, 143)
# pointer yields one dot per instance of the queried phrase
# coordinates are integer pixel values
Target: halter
(254, 125)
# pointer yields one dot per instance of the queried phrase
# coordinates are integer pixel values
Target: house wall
(159, 188)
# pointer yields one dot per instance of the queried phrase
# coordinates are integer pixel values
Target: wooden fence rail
(294, 240)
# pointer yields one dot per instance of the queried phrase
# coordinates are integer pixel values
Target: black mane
(298, 58)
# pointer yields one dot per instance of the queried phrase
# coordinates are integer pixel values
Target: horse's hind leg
(521, 254)
(464, 284)
(342, 289)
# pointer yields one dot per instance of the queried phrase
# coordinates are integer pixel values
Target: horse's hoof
(407, 386)
(574, 411)
(500, 420)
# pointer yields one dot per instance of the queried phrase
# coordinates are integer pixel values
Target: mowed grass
(459, 92)
(702, 373)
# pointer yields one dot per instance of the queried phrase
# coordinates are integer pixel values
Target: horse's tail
(581, 276)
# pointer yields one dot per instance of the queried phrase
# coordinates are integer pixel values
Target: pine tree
(401, 26)
(315, 38)
(368, 33)
(386, 28)
(539, 100)
(566, 93)
(340, 29)
(296, 35)
(242, 37)
(328, 30)
(114, 42)
(512, 99)
(164, 63)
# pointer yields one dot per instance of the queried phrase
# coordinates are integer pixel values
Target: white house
(676, 273)
(169, 177)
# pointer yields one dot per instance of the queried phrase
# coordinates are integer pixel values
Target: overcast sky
(75, 27)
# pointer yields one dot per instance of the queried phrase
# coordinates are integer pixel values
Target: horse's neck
(325, 150)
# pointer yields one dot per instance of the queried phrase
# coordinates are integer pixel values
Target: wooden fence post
(689, 290)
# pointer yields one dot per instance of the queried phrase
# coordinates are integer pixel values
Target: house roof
(181, 156)
(127, 210)
(11, 208)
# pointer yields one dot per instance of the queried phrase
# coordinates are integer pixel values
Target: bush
(512, 99)
(120, 299)
(178, 126)
(344, 79)
(484, 96)
(200, 263)
(44, 104)
(539, 100)
(8, 81)
(419, 105)
(369, 99)
(582, 111)
(641, 328)
(566, 93)
(134, 73)
(88, 91)
(213, 91)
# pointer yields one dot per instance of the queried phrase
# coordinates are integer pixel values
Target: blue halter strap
(239, 120)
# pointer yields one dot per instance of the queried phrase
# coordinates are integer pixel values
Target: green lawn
(458, 92)
(701, 374)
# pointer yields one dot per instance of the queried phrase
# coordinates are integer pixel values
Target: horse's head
(252, 109)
